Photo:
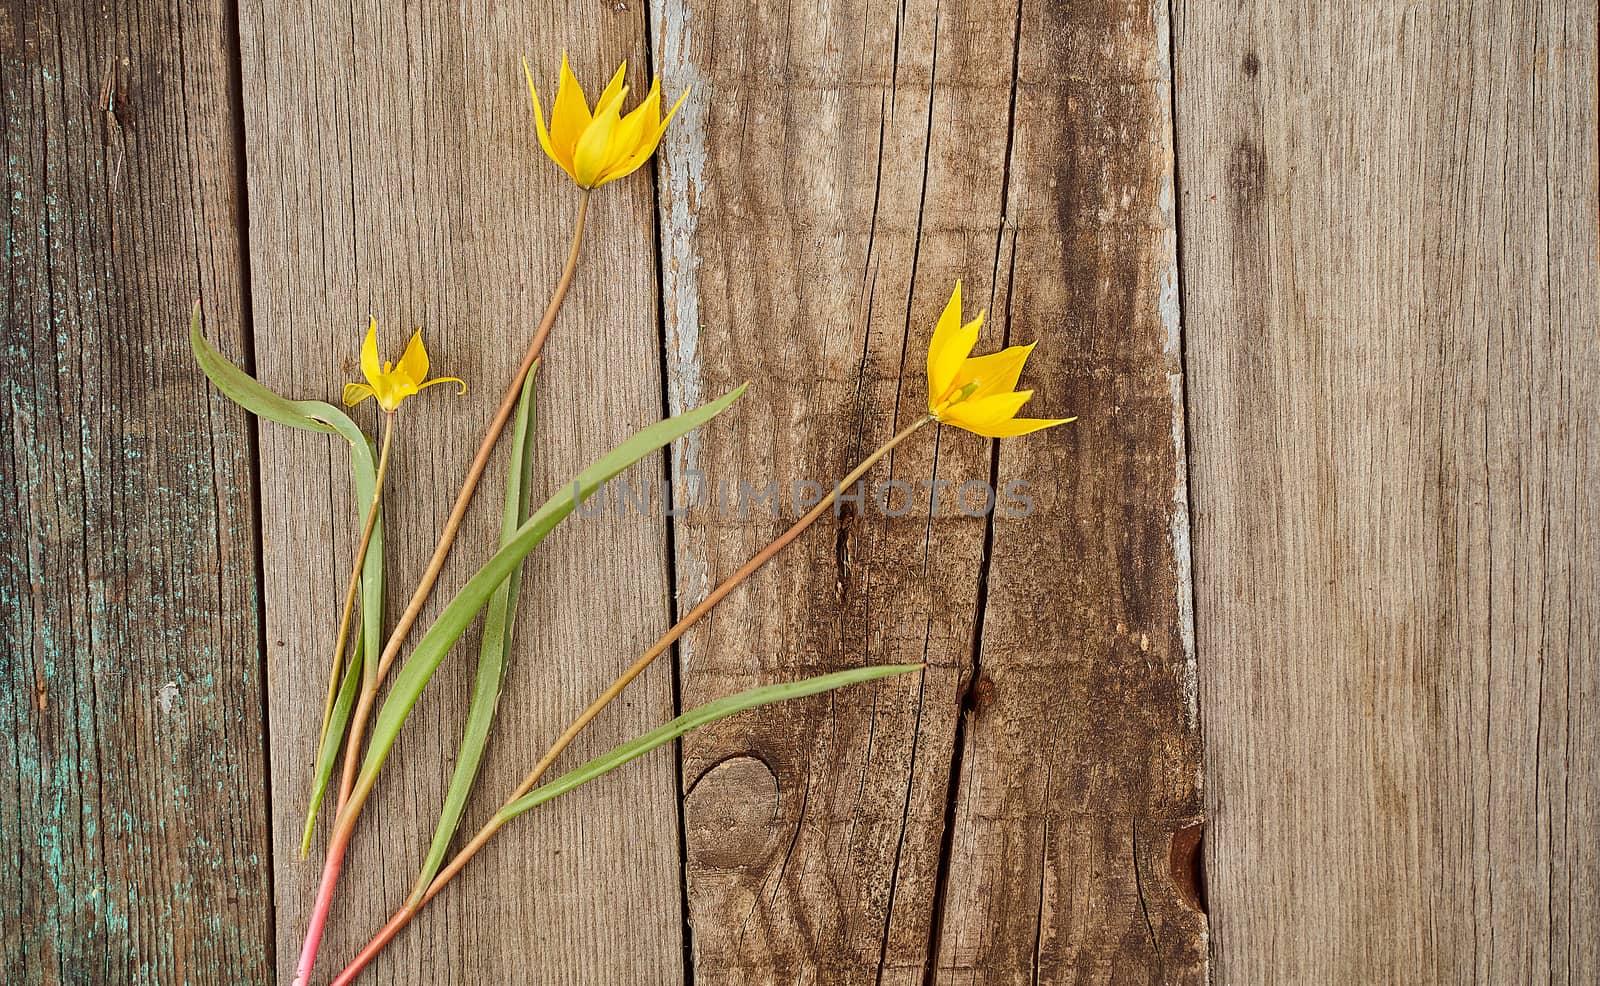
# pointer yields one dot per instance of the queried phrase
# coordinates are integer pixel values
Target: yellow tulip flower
(977, 393)
(606, 145)
(392, 383)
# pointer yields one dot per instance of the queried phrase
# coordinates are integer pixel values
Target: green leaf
(332, 739)
(247, 392)
(497, 634)
(459, 612)
(694, 719)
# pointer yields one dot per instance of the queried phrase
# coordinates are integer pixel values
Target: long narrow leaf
(332, 740)
(498, 625)
(694, 719)
(247, 392)
(459, 612)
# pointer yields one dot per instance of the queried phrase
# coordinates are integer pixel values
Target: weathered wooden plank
(1081, 747)
(394, 170)
(838, 171)
(1389, 250)
(134, 828)
(793, 203)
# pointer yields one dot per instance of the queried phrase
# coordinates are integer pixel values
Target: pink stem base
(324, 903)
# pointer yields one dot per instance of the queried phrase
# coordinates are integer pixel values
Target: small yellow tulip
(391, 383)
(977, 393)
(605, 146)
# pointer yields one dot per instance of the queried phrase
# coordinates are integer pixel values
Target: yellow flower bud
(605, 145)
(977, 393)
(391, 383)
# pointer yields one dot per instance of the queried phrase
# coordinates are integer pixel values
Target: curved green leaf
(332, 740)
(247, 392)
(459, 612)
(497, 632)
(694, 719)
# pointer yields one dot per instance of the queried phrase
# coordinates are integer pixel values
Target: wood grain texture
(1081, 748)
(134, 831)
(394, 170)
(1389, 263)
(838, 171)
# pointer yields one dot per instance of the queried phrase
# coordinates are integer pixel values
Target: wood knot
(1251, 64)
(982, 693)
(730, 814)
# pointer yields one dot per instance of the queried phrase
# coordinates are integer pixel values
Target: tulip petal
(560, 158)
(996, 373)
(949, 319)
(589, 158)
(945, 362)
(952, 344)
(414, 362)
(355, 393)
(569, 118)
(943, 332)
(390, 392)
(454, 380)
(649, 110)
(1012, 427)
(624, 142)
(672, 112)
(986, 411)
(370, 367)
(647, 138)
(640, 122)
(612, 88)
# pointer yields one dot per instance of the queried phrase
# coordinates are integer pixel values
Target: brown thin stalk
(336, 665)
(421, 894)
(351, 801)
(430, 575)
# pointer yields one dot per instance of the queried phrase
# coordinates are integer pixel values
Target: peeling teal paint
(112, 547)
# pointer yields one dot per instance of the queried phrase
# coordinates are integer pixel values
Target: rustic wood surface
(134, 831)
(394, 170)
(1391, 305)
(1386, 343)
(829, 835)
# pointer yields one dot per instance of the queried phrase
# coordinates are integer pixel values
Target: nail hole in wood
(1186, 862)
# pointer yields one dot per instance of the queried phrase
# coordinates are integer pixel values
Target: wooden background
(1327, 282)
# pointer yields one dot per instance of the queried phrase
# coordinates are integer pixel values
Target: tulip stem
(367, 528)
(452, 524)
(426, 891)
(508, 404)
(351, 800)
